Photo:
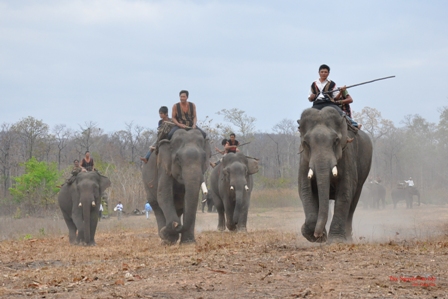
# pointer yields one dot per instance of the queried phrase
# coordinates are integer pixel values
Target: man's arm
(311, 96)
(174, 117)
(346, 98)
(195, 119)
(228, 146)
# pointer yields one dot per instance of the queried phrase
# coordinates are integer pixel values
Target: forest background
(35, 159)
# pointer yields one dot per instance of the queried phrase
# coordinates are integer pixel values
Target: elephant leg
(167, 201)
(220, 209)
(77, 219)
(311, 209)
(343, 210)
(71, 229)
(242, 221)
(93, 226)
(229, 207)
(188, 235)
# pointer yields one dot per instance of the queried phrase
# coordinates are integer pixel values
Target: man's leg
(203, 133)
(170, 134)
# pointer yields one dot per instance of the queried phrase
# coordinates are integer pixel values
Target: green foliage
(38, 185)
(27, 237)
(18, 213)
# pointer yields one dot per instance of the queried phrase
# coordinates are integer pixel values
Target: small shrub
(17, 214)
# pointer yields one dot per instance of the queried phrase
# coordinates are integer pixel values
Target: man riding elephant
(231, 187)
(172, 180)
(334, 164)
(184, 115)
(82, 219)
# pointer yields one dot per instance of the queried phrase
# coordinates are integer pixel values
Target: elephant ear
(208, 154)
(226, 173)
(104, 183)
(252, 165)
(164, 157)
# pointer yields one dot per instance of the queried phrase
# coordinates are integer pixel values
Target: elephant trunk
(191, 198)
(323, 173)
(239, 204)
(86, 210)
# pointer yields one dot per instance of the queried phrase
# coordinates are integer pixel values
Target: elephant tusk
(246, 188)
(204, 200)
(310, 173)
(335, 171)
(231, 188)
(204, 188)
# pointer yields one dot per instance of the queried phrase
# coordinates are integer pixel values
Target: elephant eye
(336, 141)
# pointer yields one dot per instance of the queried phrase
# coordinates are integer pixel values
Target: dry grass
(271, 260)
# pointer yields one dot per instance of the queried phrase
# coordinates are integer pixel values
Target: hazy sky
(114, 61)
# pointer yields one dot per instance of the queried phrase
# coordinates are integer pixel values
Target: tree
(377, 127)
(37, 186)
(61, 134)
(85, 138)
(244, 123)
(8, 138)
(31, 130)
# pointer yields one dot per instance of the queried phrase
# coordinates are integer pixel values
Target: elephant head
(323, 139)
(89, 188)
(237, 186)
(182, 162)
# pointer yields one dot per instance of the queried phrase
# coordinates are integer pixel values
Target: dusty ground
(396, 254)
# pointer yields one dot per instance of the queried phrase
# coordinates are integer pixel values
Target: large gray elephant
(172, 180)
(231, 185)
(334, 164)
(407, 194)
(80, 202)
(374, 195)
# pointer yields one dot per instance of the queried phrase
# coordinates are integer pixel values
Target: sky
(114, 62)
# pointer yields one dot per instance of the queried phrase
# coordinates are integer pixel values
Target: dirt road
(396, 254)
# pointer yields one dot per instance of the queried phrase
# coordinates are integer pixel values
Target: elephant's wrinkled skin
(334, 164)
(231, 185)
(406, 194)
(172, 180)
(207, 200)
(86, 188)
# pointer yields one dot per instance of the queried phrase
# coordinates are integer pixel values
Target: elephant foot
(221, 228)
(337, 239)
(187, 240)
(91, 244)
(242, 229)
(231, 227)
(169, 238)
(309, 235)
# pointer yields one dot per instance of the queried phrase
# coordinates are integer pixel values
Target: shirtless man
(184, 114)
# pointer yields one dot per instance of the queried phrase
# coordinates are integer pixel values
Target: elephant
(207, 200)
(373, 195)
(231, 186)
(335, 161)
(79, 202)
(407, 194)
(172, 179)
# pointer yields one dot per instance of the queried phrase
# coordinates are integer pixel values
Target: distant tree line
(417, 149)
